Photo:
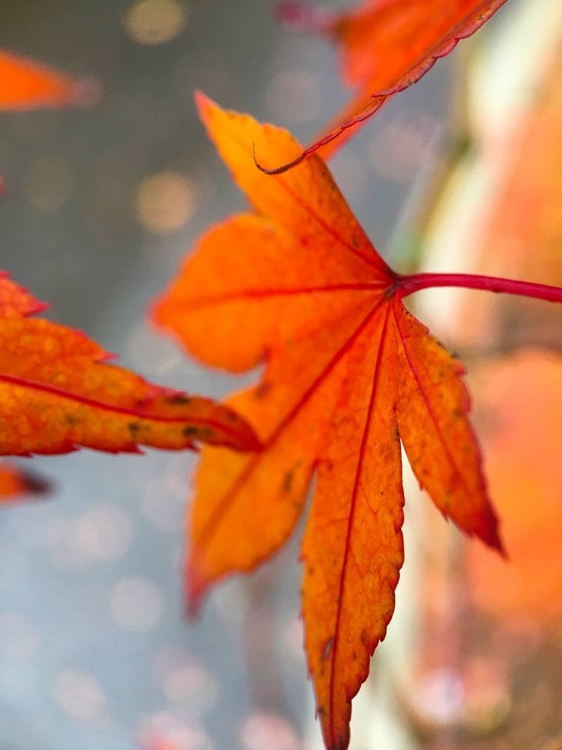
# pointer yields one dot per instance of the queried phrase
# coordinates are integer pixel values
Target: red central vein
(353, 505)
(285, 422)
(264, 293)
(112, 408)
(330, 231)
(318, 218)
(430, 410)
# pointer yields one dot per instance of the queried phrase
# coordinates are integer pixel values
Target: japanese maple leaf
(25, 84)
(386, 46)
(57, 393)
(17, 485)
(349, 374)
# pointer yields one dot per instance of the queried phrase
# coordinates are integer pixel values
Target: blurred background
(101, 206)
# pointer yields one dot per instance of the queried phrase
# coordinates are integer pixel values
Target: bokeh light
(153, 22)
(164, 202)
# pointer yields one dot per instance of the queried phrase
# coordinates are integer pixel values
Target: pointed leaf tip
(196, 589)
(26, 84)
(204, 104)
(18, 484)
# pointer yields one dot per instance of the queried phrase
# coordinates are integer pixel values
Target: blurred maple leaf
(523, 439)
(25, 84)
(17, 484)
(525, 476)
(386, 46)
(57, 393)
(349, 374)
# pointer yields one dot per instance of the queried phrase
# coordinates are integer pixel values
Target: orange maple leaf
(349, 375)
(16, 484)
(386, 46)
(25, 84)
(57, 393)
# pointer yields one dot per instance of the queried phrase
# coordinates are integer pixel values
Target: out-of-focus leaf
(26, 84)
(17, 485)
(386, 46)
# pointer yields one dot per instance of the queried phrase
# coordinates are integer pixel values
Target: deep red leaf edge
(84, 93)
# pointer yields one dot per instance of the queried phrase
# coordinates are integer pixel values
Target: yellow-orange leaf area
(386, 46)
(57, 393)
(349, 373)
(25, 84)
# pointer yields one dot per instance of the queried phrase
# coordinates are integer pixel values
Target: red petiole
(407, 285)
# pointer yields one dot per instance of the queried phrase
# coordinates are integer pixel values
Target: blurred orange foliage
(521, 397)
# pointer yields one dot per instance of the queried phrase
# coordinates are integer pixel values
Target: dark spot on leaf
(287, 482)
(178, 399)
(133, 427)
(327, 648)
(189, 431)
(262, 389)
(71, 420)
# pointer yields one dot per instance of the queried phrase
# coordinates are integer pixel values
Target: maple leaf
(25, 84)
(16, 484)
(349, 374)
(386, 46)
(58, 393)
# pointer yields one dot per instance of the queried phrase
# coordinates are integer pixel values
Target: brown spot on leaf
(287, 482)
(262, 389)
(178, 399)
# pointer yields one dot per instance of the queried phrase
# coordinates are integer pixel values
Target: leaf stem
(407, 285)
